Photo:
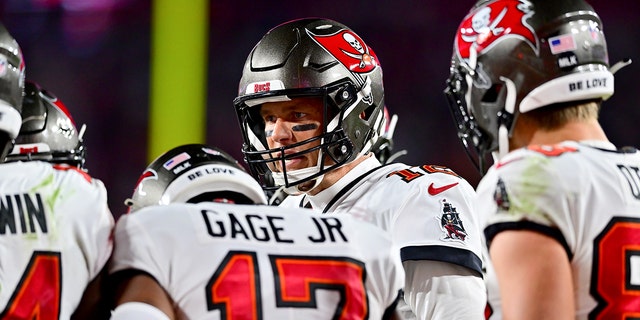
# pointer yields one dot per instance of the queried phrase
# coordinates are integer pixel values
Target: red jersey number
(616, 258)
(234, 288)
(37, 296)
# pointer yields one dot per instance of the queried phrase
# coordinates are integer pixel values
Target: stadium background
(95, 56)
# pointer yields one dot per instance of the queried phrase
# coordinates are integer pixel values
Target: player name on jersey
(267, 228)
(20, 213)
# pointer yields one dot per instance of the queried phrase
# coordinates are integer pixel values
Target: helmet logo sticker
(3, 65)
(494, 22)
(450, 223)
(33, 149)
(567, 60)
(349, 49)
(264, 86)
(147, 174)
(182, 157)
(501, 197)
(562, 43)
(211, 151)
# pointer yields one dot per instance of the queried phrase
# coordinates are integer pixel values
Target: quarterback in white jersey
(219, 257)
(311, 109)
(426, 210)
(586, 196)
(560, 207)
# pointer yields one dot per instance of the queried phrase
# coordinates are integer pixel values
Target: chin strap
(619, 65)
(296, 175)
(503, 142)
(506, 116)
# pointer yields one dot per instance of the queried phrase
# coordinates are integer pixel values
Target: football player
(561, 203)
(310, 105)
(55, 222)
(200, 242)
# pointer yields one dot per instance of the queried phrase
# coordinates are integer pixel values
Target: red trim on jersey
(65, 167)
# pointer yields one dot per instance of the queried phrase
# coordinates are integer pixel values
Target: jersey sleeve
(439, 224)
(86, 203)
(530, 194)
(437, 290)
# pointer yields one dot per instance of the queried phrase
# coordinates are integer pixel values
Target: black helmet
(48, 132)
(512, 57)
(312, 57)
(12, 70)
(194, 173)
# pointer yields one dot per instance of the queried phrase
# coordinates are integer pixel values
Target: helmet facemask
(334, 145)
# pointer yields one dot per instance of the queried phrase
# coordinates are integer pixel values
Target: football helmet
(311, 57)
(194, 173)
(48, 132)
(12, 70)
(514, 56)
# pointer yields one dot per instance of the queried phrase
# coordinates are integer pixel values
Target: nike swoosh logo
(435, 190)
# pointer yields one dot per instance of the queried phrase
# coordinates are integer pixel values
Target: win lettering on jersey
(21, 213)
(265, 228)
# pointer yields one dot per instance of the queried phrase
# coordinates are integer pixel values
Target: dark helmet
(513, 56)
(12, 70)
(312, 57)
(48, 132)
(194, 173)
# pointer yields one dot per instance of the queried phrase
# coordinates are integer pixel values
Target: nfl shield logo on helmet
(450, 223)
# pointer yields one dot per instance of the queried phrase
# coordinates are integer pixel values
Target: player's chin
(297, 163)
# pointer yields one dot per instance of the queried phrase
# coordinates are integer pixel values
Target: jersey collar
(324, 197)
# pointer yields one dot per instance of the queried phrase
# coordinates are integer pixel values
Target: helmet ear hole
(368, 112)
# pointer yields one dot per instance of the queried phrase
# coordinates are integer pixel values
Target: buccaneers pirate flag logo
(451, 223)
(348, 48)
(351, 51)
(487, 25)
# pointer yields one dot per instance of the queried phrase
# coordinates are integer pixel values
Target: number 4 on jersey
(37, 295)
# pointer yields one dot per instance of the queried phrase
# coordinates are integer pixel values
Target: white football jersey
(226, 261)
(428, 211)
(55, 237)
(587, 197)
